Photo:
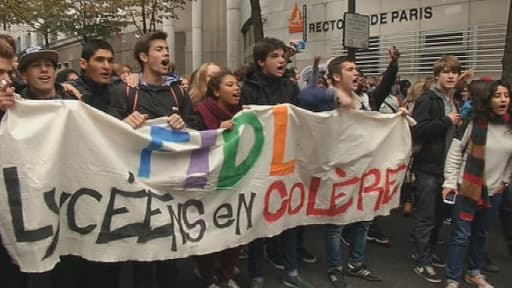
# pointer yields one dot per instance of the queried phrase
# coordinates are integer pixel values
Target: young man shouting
(267, 86)
(37, 67)
(153, 98)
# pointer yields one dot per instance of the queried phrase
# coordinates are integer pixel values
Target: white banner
(77, 181)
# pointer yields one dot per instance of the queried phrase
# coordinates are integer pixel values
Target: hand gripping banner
(77, 181)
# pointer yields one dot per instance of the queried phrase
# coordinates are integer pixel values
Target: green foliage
(146, 14)
(6, 17)
(42, 16)
(85, 19)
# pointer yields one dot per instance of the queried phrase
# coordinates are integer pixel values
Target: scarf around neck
(212, 114)
(474, 187)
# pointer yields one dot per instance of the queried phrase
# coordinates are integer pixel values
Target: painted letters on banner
(77, 181)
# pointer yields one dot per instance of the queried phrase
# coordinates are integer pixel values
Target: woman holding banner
(216, 110)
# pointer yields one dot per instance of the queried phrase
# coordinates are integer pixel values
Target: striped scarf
(474, 188)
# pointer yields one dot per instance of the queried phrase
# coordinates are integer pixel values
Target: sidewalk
(391, 263)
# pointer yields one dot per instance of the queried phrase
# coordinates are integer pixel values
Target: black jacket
(95, 95)
(18, 83)
(430, 133)
(260, 89)
(379, 94)
(60, 94)
(155, 101)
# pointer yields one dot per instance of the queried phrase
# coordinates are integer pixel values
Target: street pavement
(392, 263)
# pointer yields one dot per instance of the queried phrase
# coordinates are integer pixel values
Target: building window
(479, 47)
(369, 60)
(436, 46)
(63, 65)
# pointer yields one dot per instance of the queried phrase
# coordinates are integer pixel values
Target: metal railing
(479, 47)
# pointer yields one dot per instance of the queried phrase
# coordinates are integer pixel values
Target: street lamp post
(351, 9)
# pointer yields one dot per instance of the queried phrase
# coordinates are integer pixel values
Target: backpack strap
(133, 93)
(390, 106)
(173, 94)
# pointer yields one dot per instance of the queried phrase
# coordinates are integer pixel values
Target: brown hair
(446, 63)
(187, 77)
(10, 41)
(142, 45)
(215, 82)
(461, 85)
(92, 46)
(118, 68)
(416, 90)
(199, 83)
(264, 47)
(6, 50)
(482, 92)
(334, 66)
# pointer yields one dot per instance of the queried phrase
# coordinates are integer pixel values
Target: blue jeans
(429, 216)
(288, 253)
(359, 231)
(506, 216)
(470, 237)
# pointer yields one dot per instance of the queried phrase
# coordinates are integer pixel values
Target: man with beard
(96, 64)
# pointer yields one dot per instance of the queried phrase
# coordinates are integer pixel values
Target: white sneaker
(230, 284)
(478, 281)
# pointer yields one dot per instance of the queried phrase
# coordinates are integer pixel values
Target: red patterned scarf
(212, 114)
(474, 187)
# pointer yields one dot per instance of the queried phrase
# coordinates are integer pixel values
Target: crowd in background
(460, 169)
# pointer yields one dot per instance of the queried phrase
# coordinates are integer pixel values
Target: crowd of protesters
(460, 169)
